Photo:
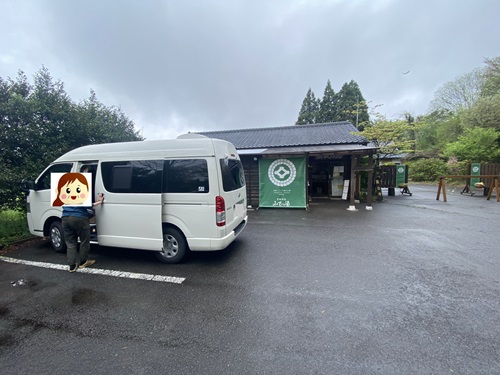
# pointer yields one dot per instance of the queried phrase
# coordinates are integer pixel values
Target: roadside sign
(400, 174)
(475, 170)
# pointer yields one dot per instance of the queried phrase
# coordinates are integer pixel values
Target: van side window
(233, 176)
(185, 176)
(43, 182)
(137, 176)
(92, 169)
(121, 177)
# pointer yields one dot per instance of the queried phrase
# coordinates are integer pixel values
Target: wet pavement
(412, 287)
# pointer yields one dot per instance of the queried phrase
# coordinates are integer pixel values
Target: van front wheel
(57, 237)
(174, 247)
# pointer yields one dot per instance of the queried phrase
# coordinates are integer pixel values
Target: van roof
(183, 147)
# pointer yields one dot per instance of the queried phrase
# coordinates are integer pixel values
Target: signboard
(282, 182)
(346, 190)
(475, 170)
(400, 174)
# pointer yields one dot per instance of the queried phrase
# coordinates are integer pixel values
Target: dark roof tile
(284, 136)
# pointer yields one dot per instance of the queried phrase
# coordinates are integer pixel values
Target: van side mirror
(27, 185)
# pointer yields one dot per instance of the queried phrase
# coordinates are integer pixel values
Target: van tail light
(220, 211)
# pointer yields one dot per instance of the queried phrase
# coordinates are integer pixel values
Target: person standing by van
(72, 191)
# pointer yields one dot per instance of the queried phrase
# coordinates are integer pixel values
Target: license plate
(238, 209)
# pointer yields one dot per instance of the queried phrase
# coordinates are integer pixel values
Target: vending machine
(337, 181)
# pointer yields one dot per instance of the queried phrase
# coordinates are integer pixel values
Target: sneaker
(73, 268)
(87, 263)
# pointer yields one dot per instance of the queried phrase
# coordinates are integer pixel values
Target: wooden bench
(494, 186)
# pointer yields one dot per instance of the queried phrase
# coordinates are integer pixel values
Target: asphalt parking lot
(412, 287)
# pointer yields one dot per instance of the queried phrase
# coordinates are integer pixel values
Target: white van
(167, 196)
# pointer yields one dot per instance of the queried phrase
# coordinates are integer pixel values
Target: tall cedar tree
(309, 110)
(351, 106)
(328, 106)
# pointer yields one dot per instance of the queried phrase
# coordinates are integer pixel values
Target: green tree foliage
(13, 226)
(435, 130)
(328, 106)
(39, 122)
(491, 85)
(465, 123)
(391, 136)
(485, 114)
(351, 106)
(476, 144)
(429, 169)
(118, 128)
(309, 109)
(347, 105)
(460, 94)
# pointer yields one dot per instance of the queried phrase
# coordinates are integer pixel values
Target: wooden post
(444, 191)
(352, 186)
(494, 185)
(497, 188)
(370, 183)
(439, 188)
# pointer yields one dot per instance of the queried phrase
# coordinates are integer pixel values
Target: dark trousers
(75, 227)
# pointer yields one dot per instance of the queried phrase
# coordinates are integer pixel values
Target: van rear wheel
(174, 247)
(57, 237)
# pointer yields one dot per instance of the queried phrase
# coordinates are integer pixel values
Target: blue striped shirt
(77, 211)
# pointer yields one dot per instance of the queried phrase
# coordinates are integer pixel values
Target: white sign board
(346, 190)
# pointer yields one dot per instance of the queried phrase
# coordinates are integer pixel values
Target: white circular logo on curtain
(475, 169)
(401, 170)
(282, 172)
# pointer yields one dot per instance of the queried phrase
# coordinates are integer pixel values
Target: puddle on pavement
(84, 296)
(4, 310)
(6, 338)
(71, 301)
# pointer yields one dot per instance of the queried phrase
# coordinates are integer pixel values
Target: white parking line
(97, 271)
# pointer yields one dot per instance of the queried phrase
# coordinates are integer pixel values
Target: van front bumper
(31, 227)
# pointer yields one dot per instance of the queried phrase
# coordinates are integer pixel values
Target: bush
(13, 226)
(427, 169)
(458, 168)
(476, 144)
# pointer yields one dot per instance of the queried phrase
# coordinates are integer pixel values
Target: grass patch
(13, 227)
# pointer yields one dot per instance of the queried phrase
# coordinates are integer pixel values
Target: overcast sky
(195, 65)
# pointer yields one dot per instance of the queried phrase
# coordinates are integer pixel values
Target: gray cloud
(177, 66)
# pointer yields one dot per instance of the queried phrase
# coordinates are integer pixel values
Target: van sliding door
(131, 215)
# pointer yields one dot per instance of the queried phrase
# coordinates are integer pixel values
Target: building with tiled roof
(327, 154)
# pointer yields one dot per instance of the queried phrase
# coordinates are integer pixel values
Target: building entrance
(327, 175)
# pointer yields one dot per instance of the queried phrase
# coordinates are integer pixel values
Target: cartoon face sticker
(72, 189)
(74, 192)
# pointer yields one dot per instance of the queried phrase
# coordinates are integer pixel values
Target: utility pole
(357, 111)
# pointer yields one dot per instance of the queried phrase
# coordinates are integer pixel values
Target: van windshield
(233, 176)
